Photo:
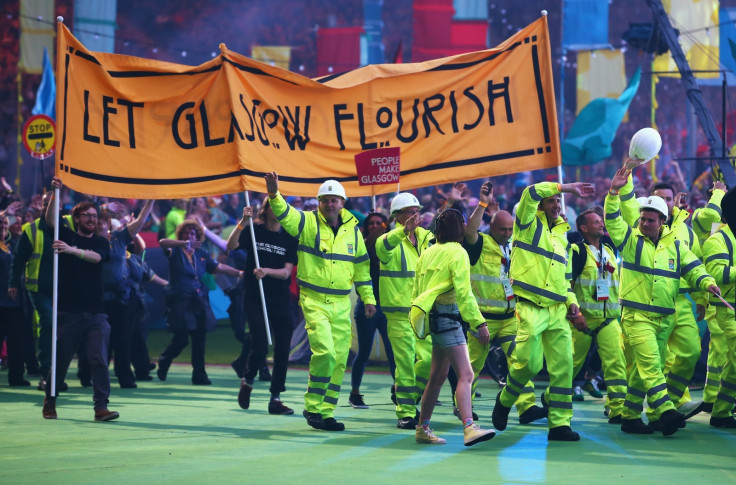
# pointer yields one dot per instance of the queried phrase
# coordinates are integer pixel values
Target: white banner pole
(258, 265)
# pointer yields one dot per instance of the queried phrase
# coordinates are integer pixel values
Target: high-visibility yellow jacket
(443, 268)
(585, 285)
(33, 248)
(705, 217)
(720, 261)
(328, 263)
(540, 266)
(485, 279)
(650, 274)
(398, 258)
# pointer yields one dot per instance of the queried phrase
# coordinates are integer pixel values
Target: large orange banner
(140, 128)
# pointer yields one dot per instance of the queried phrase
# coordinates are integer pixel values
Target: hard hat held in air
(331, 187)
(653, 202)
(404, 200)
(645, 145)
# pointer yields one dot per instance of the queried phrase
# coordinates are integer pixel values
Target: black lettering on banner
(469, 94)
(499, 90)
(336, 109)
(131, 120)
(252, 135)
(274, 114)
(107, 110)
(192, 129)
(400, 120)
(208, 142)
(453, 105)
(262, 129)
(87, 136)
(428, 117)
(361, 129)
(297, 139)
(234, 127)
(379, 117)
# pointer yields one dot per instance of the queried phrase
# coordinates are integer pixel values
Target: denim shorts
(446, 331)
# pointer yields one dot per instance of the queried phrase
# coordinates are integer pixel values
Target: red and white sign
(379, 166)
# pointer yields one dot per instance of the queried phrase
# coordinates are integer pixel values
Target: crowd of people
(440, 272)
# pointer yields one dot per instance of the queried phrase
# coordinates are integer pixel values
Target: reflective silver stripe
(635, 407)
(616, 395)
(533, 194)
(540, 251)
(31, 281)
(636, 392)
(728, 385)
(616, 382)
(527, 390)
(713, 383)
(326, 255)
(621, 246)
(323, 380)
(507, 338)
(559, 404)
(639, 250)
(717, 303)
(512, 391)
(726, 275)
(361, 259)
(712, 257)
(302, 220)
(725, 397)
(540, 291)
(647, 308)
(584, 305)
(691, 265)
(591, 283)
(613, 215)
(675, 391)
(660, 401)
(322, 289)
(565, 391)
(696, 220)
(700, 278)
(523, 226)
(537, 235)
(405, 401)
(421, 380)
(689, 290)
(627, 196)
(491, 303)
(654, 390)
(285, 213)
(515, 383)
(363, 283)
(407, 389)
(316, 390)
(484, 277)
(715, 369)
(387, 245)
(333, 387)
(710, 205)
(330, 400)
(511, 348)
(396, 274)
(389, 309)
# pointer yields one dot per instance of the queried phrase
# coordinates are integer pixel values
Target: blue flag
(590, 137)
(46, 95)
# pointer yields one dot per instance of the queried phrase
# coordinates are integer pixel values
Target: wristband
(483, 204)
(613, 192)
(240, 227)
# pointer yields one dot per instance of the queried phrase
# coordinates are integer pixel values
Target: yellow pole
(653, 121)
(19, 139)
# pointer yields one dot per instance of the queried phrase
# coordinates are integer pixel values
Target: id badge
(601, 289)
(507, 289)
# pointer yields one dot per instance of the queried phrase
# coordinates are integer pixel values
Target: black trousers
(282, 328)
(11, 328)
(121, 337)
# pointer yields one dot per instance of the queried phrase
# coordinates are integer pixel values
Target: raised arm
(484, 198)
(136, 224)
(232, 240)
(49, 216)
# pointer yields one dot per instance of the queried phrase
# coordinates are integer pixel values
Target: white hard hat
(404, 200)
(645, 144)
(653, 202)
(331, 187)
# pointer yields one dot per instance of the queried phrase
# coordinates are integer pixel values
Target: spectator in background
(11, 324)
(175, 217)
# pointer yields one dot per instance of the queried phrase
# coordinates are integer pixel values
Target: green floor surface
(177, 433)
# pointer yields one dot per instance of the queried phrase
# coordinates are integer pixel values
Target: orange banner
(139, 128)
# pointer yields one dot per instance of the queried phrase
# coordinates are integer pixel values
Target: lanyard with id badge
(602, 282)
(505, 266)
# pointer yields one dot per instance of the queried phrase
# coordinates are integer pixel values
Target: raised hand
(581, 189)
(486, 192)
(272, 182)
(620, 179)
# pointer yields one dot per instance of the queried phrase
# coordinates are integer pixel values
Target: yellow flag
(274, 55)
(601, 74)
(140, 128)
(36, 32)
(697, 21)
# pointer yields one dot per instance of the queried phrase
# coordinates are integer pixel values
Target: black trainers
(707, 407)
(237, 366)
(244, 395)
(356, 401)
(500, 416)
(407, 423)
(615, 419)
(314, 420)
(275, 406)
(201, 380)
(163, 369)
(331, 424)
(264, 374)
(727, 422)
(669, 422)
(636, 426)
(532, 414)
(562, 433)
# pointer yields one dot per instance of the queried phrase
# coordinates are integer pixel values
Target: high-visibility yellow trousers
(329, 331)
(505, 332)
(542, 332)
(644, 344)
(413, 359)
(717, 356)
(726, 396)
(611, 350)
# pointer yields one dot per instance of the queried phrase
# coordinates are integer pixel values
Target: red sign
(379, 166)
(39, 136)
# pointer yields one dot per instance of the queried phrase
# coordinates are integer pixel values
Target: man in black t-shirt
(81, 312)
(277, 257)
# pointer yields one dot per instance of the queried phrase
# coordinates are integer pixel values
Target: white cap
(645, 144)
(331, 187)
(404, 200)
(653, 202)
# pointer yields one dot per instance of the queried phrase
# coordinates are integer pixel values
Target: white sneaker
(474, 434)
(427, 436)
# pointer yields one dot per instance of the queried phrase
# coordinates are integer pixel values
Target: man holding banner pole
(331, 258)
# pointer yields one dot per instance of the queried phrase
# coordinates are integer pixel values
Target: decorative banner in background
(95, 24)
(36, 34)
(138, 128)
(273, 55)
(601, 74)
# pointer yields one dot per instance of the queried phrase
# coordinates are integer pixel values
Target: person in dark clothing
(81, 312)
(276, 258)
(374, 225)
(11, 324)
(189, 312)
